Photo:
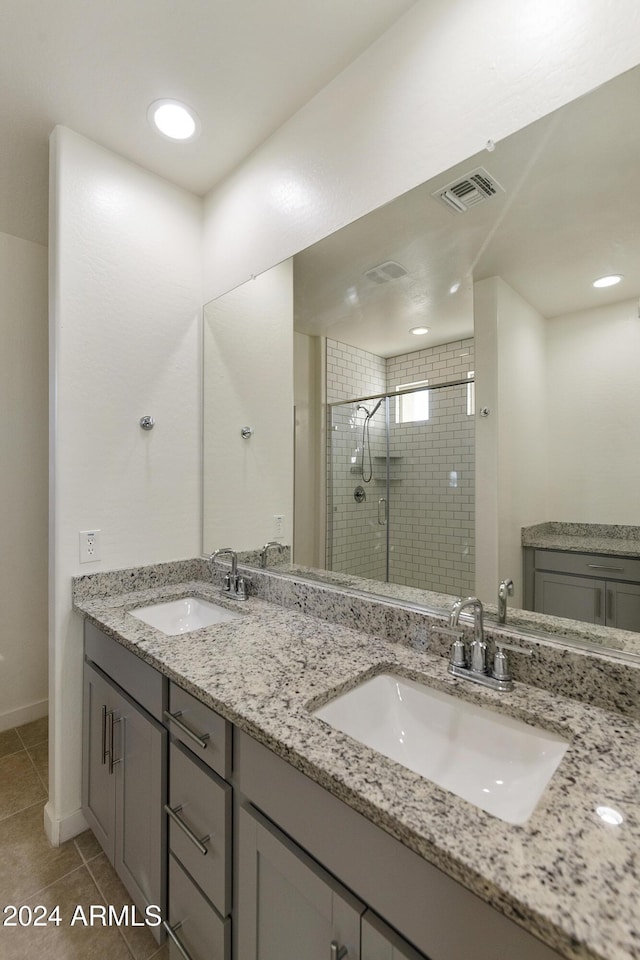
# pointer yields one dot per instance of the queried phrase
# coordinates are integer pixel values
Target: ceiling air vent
(389, 270)
(468, 191)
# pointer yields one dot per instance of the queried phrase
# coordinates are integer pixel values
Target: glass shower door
(401, 488)
(357, 508)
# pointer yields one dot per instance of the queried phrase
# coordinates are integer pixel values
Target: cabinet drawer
(140, 680)
(200, 729)
(201, 802)
(202, 934)
(589, 565)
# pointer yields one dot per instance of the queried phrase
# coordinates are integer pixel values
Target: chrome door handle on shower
(382, 503)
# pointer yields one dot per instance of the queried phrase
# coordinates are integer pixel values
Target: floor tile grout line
(21, 738)
(37, 803)
(7, 755)
(33, 764)
(107, 903)
(32, 896)
(81, 854)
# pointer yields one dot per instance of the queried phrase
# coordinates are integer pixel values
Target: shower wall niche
(415, 524)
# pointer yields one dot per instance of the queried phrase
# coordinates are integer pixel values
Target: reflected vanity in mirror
(465, 398)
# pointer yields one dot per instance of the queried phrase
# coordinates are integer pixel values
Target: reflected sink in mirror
(174, 617)
(496, 762)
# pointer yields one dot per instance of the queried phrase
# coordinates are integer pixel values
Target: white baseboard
(16, 718)
(59, 831)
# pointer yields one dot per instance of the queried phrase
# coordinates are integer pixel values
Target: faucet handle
(500, 666)
(458, 656)
(500, 663)
(242, 587)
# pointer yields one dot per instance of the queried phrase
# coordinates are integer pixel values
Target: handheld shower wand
(366, 441)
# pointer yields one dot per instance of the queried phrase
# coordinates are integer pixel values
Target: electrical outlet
(89, 546)
(278, 525)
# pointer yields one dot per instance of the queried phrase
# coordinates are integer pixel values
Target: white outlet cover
(89, 546)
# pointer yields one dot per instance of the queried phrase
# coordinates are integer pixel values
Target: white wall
(485, 326)
(23, 480)
(309, 501)
(125, 295)
(511, 443)
(248, 342)
(447, 77)
(522, 413)
(594, 415)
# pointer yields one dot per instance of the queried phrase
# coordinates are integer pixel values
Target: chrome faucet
(266, 548)
(233, 586)
(478, 645)
(504, 590)
(475, 667)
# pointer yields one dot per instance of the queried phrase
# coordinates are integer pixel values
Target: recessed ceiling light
(607, 281)
(419, 331)
(174, 120)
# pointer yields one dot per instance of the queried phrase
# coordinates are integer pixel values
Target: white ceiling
(570, 213)
(245, 66)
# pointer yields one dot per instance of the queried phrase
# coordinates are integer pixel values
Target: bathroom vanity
(586, 572)
(275, 829)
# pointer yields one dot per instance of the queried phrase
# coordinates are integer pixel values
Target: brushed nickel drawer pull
(104, 734)
(605, 566)
(197, 842)
(171, 933)
(112, 723)
(610, 612)
(337, 952)
(174, 718)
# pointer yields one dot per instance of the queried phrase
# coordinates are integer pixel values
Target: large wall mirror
(457, 379)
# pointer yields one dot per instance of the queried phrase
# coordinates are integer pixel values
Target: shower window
(412, 407)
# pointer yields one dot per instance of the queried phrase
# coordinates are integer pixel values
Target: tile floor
(33, 873)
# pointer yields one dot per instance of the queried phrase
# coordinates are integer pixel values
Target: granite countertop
(565, 875)
(607, 539)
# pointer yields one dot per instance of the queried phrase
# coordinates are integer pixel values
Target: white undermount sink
(174, 617)
(496, 762)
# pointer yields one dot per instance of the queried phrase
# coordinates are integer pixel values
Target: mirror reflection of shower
(410, 520)
(365, 452)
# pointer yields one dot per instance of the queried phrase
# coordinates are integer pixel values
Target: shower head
(368, 414)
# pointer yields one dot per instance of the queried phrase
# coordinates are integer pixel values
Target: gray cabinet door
(578, 598)
(124, 788)
(380, 942)
(98, 796)
(140, 750)
(288, 907)
(623, 605)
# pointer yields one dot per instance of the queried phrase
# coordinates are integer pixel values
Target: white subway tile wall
(431, 509)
